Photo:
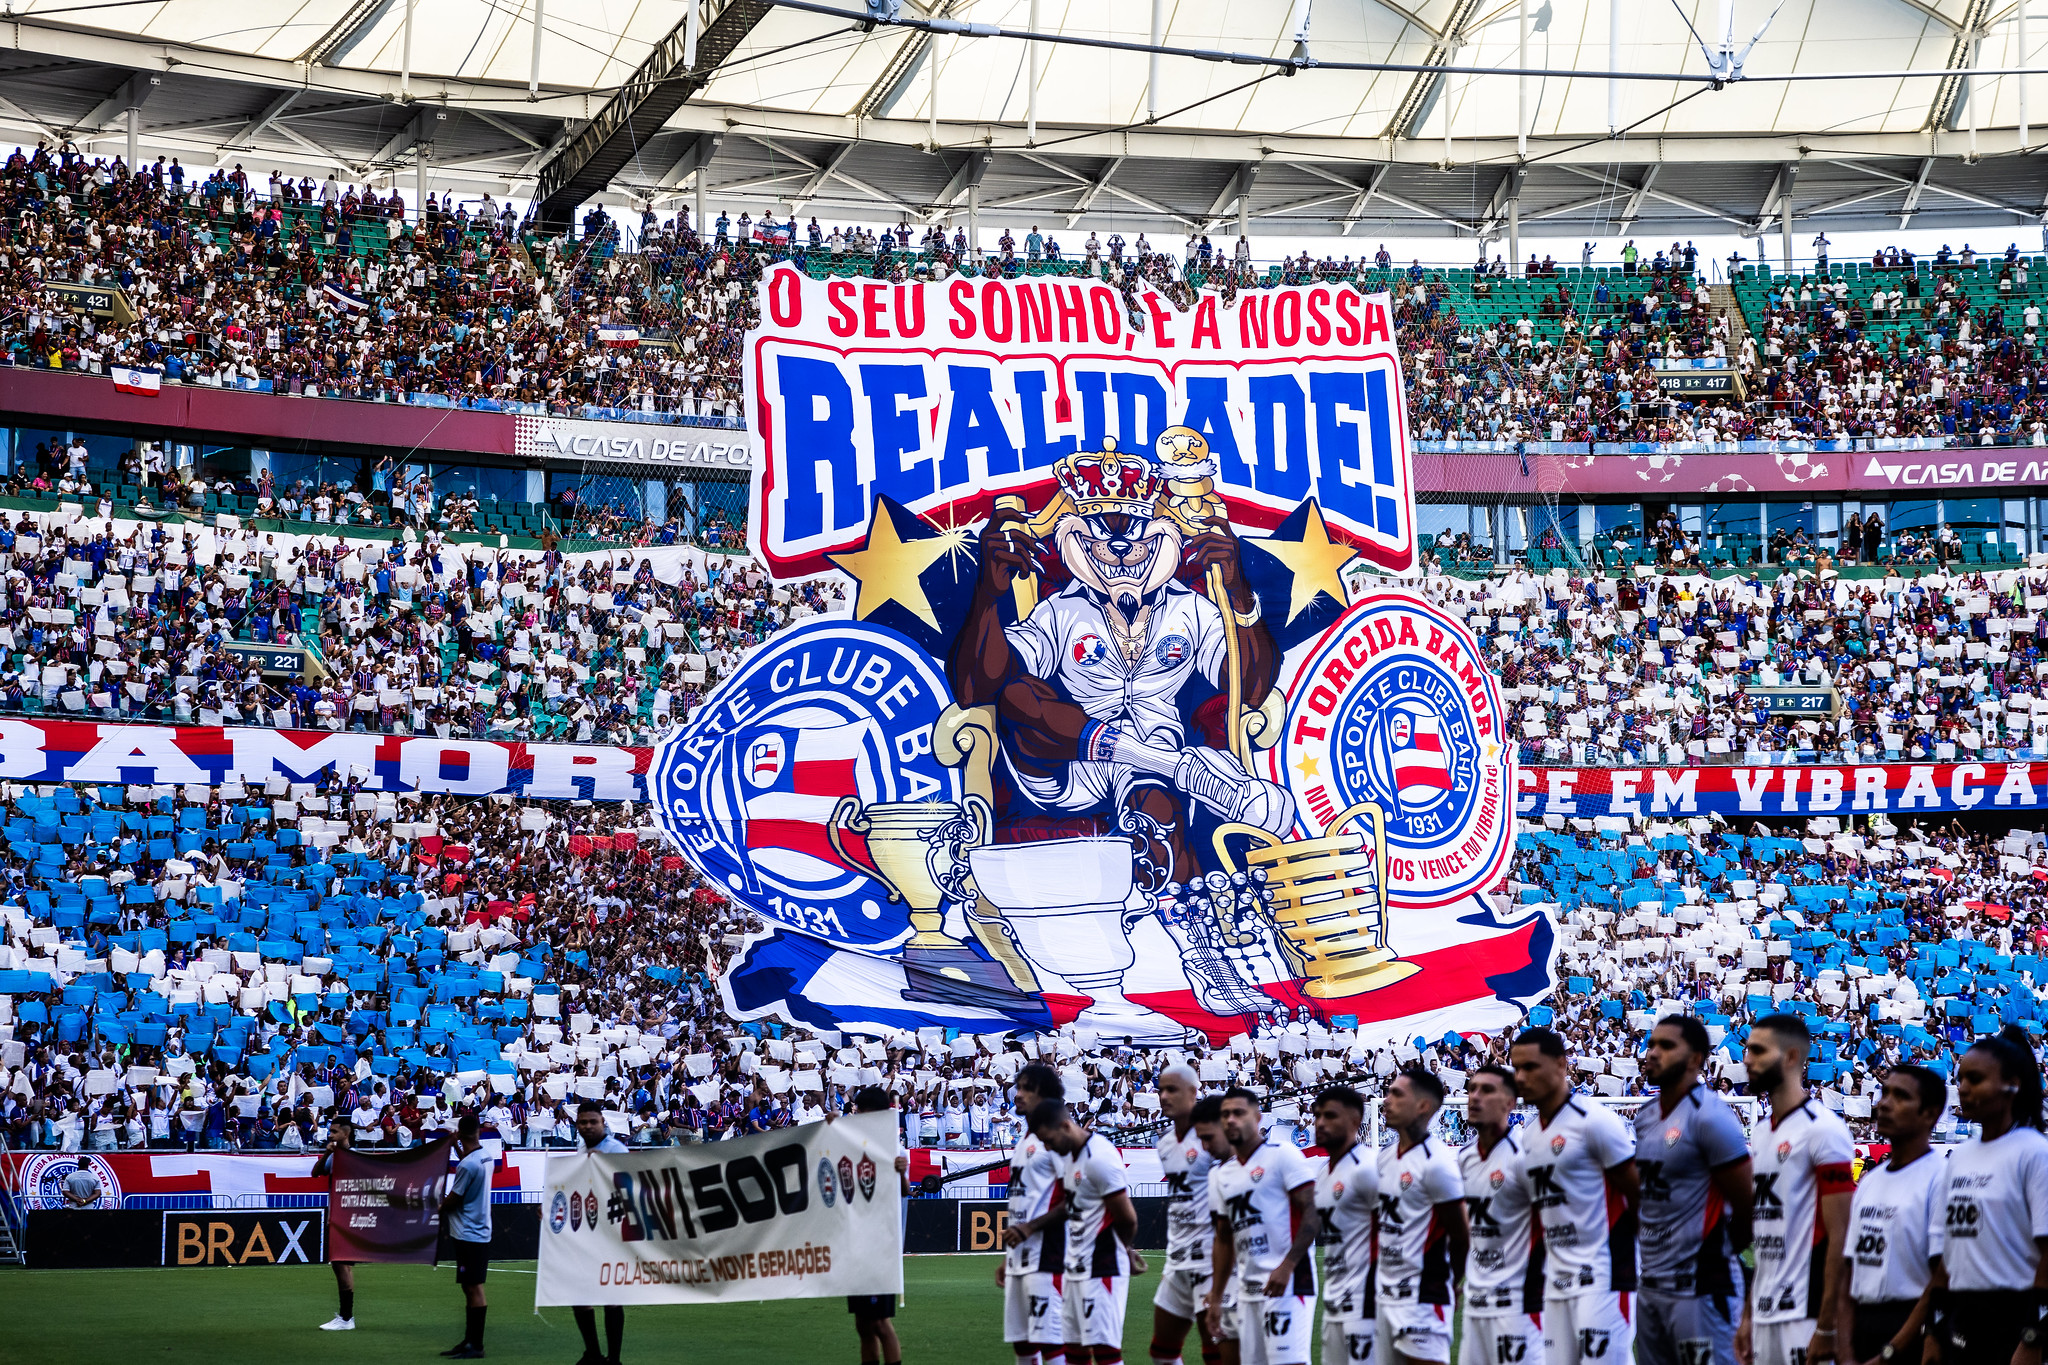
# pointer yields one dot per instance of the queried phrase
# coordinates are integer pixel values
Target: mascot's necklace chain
(1130, 640)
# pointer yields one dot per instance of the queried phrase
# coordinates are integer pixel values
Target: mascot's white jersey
(1066, 639)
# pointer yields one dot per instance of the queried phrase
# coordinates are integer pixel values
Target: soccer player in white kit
(1263, 1207)
(1208, 1116)
(1185, 1163)
(1347, 1198)
(1989, 1288)
(1035, 1236)
(1422, 1236)
(1693, 1157)
(1804, 1179)
(1581, 1164)
(1503, 1272)
(1101, 1226)
(1897, 1205)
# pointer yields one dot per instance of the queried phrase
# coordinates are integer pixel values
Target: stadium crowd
(229, 967)
(1665, 669)
(313, 288)
(119, 619)
(191, 968)
(334, 289)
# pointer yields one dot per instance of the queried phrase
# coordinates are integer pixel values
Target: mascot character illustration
(1103, 692)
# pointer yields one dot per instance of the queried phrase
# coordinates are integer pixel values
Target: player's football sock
(1161, 1356)
(1108, 1355)
(348, 1303)
(614, 1332)
(476, 1327)
(1212, 1355)
(1027, 1358)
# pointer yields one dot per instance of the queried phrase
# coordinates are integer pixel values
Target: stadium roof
(1863, 111)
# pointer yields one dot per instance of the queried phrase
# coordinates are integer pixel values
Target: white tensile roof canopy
(1881, 121)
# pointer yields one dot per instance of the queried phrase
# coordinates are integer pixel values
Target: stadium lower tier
(199, 971)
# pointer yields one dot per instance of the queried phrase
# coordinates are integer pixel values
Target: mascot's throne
(1054, 897)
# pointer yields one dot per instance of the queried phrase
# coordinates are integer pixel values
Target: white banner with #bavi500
(798, 1213)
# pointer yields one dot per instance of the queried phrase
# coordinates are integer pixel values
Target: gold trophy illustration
(1328, 898)
(919, 850)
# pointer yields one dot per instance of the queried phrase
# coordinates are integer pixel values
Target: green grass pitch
(952, 1313)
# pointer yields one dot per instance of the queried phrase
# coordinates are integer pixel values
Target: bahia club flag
(789, 781)
(1421, 771)
(618, 336)
(342, 298)
(146, 382)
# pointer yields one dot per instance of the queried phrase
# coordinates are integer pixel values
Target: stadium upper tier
(1446, 118)
(316, 290)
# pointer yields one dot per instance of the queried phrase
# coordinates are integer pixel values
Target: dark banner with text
(385, 1206)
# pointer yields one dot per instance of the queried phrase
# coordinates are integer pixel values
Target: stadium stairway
(11, 1252)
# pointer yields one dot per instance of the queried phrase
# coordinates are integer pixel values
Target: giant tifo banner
(1104, 740)
(1792, 790)
(200, 755)
(799, 1213)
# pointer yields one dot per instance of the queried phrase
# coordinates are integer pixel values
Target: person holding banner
(873, 1314)
(1102, 1228)
(590, 1127)
(339, 1136)
(468, 1211)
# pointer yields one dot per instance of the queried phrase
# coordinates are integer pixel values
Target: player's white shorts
(1511, 1339)
(1227, 1328)
(1348, 1341)
(1420, 1331)
(1031, 1307)
(1782, 1343)
(1182, 1293)
(1592, 1329)
(1274, 1331)
(1092, 1310)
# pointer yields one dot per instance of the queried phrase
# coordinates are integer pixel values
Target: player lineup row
(1564, 1237)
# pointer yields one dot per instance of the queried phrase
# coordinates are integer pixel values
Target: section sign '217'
(1104, 738)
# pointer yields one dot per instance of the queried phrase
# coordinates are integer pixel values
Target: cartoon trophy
(1329, 898)
(1069, 902)
(919, 850)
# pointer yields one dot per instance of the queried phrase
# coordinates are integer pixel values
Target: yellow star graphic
(888, 569)
(1309, 766)
(1315, 561)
